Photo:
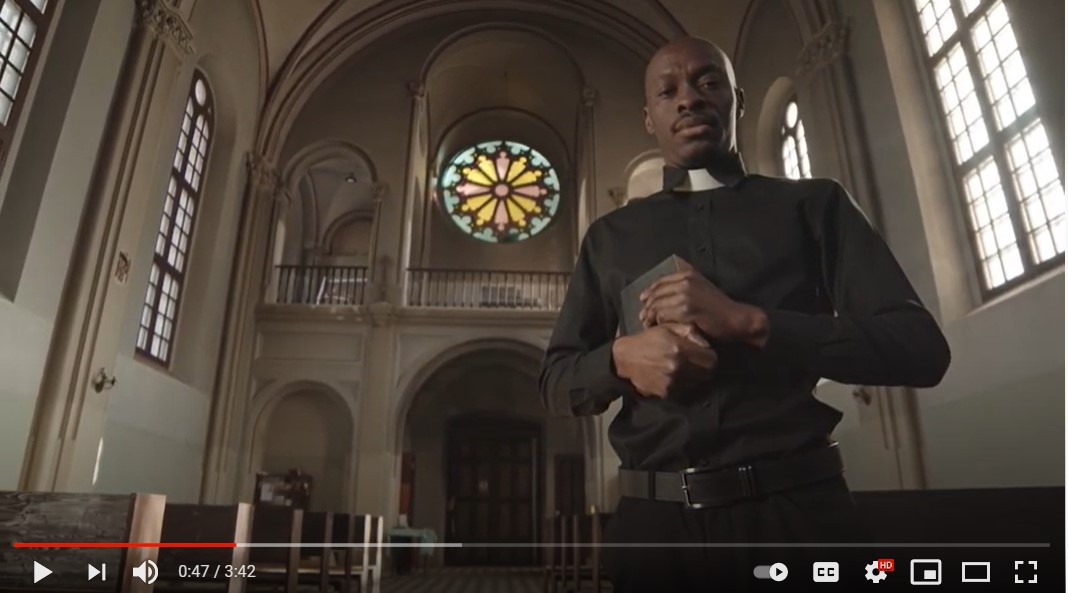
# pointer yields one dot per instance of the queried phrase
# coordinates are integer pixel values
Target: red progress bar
(124, 545)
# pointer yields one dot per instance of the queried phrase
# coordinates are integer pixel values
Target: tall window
(1014, 194)
(792, 138)
(22, 23)
(170, 260)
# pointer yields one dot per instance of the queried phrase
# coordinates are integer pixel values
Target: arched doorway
(308, 430)
(479, 453)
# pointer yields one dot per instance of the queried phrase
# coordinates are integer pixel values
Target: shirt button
(706, 403)
(700, 207)
(702, 248)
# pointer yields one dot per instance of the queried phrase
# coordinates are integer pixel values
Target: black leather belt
(702, 487)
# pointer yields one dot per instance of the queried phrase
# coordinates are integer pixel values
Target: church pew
(353, 564)
(343, 531)
(555, 553)
(374, 566)
(584, 566)
(276, 567)
(195, 523)
(317, 527)
(69, 517)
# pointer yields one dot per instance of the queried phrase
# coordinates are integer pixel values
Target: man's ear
(648, 122)
(739, 95)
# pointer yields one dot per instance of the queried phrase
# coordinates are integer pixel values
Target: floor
(467, 580)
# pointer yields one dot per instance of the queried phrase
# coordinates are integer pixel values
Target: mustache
(694, 119)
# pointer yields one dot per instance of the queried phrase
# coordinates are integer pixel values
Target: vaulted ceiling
(290, 28)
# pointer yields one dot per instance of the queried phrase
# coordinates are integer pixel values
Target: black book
(629, 296)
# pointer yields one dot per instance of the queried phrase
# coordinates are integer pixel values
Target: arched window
(500, 191)
(1013, 193)
(170, 260)
(792, 139)
(22, 25)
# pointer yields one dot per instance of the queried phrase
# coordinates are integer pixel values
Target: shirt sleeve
(881, 333)
(577, 374)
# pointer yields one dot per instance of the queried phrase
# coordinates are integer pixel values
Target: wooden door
(492, 491)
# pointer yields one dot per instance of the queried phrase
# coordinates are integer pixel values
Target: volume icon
(101, 572)
(147, 572)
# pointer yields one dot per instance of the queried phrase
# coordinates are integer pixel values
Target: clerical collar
(692, 180)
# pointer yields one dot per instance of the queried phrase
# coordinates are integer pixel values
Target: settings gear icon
(873, 573)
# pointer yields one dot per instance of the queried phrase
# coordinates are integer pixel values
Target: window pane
(961, 104)
(1001, 65)
(937, 22)
(990, 221)
(1039, 189)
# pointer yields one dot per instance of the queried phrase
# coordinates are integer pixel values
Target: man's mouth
(695, 125)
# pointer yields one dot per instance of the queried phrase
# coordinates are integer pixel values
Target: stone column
(73, 400)
(413, 210)
(224, 475)
(586, 164)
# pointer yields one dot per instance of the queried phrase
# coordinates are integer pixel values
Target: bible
(629, 296)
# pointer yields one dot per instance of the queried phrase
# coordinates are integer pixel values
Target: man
(789, 283)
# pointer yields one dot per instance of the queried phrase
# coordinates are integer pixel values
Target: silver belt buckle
(684, 476)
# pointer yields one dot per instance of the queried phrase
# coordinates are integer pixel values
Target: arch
(303, 161)
(498, 26)
(424, 367)
(644, 175)
(445, 150)
(263, 404)
(768, 154)
(321, 60)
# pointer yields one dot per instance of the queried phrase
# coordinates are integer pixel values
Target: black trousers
(820, 512)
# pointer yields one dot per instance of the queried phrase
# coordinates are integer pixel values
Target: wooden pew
(344, 532)
(317, 527)
(554, 554)
(378, 529)
(275, 566)
(585, 563)
(192, 523)
(67, 517)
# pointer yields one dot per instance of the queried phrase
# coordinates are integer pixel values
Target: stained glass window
(1013, 193)
(500, 191)
(174, 235)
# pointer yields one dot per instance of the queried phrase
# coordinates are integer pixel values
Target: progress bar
(515, 545)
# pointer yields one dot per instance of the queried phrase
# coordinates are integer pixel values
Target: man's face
(692, 103)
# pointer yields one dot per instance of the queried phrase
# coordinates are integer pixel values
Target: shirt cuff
(599, 384)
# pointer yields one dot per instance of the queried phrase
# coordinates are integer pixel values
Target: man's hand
(664, 360)
(688, 297)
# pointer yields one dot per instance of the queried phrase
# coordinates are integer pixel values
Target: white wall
(61, 182)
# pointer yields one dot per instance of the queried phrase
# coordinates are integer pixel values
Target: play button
(778, 572)
(39, 572)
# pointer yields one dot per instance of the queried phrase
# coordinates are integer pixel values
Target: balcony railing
(321, 285)
(486, 289)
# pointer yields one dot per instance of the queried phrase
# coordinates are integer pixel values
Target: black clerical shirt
(838, 305)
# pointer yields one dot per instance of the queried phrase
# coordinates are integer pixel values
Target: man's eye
(664, 93)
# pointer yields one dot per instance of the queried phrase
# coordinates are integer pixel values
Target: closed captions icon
(825, 572)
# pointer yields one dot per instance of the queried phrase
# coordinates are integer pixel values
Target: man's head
(692, 103)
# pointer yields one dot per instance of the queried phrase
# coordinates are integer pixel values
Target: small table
(404, 559)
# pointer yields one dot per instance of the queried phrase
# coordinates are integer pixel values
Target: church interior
(308, 254)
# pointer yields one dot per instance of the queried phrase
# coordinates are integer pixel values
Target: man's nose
(688, 98)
